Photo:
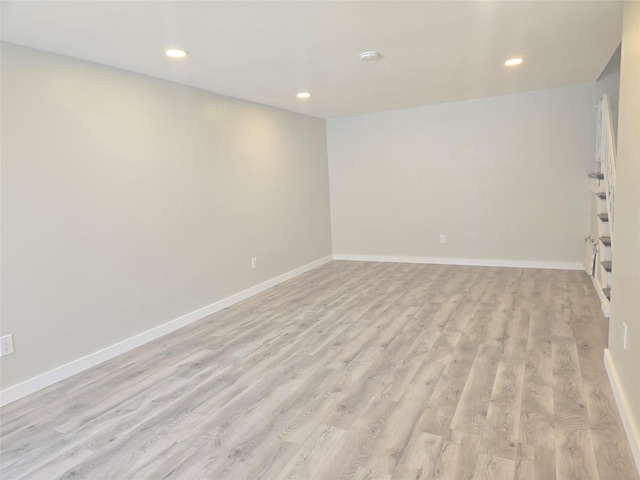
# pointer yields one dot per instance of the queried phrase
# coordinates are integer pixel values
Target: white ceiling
(267, 51)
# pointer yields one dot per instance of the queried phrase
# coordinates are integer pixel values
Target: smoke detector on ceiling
(371, 55)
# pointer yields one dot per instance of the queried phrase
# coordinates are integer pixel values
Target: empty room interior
(320, 240)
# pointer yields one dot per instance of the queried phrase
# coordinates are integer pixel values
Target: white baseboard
(623, 407)
(58, 374)
(462, 261)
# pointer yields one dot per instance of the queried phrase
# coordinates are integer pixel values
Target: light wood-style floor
(354, 370)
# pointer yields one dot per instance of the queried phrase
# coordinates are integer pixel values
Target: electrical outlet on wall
(6, 345)
(624, 335)
(443, 238)
(254, 263)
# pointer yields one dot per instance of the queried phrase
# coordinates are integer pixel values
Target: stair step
(606, 266)
(606, 241)
(604, 217)
(607, 293)
(602, 195)
(597, 176)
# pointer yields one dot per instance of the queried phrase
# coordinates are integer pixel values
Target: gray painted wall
(129, 201)
(625, 289)
(609, 83)
(504, 178)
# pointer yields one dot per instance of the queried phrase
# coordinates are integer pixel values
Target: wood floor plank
(354, 370)
(367, 474)
(537, 421)
(441, 346)
(471, 412)
(163, 464)
(517, 333)
(320, 444)
(55, 466)
(489, 467)
(535, 463)
(24, 448)
(442, 405)
(354, 448)
(421, 456)
(459, 458)
(575, 456)
(238, 417)
(613, 453)
(500, 435)
(392, 440)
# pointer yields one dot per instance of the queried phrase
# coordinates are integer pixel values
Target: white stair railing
(606, 155)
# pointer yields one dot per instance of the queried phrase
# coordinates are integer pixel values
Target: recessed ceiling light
(371, 55)
(176, 53)
(513, 61)
(303, 95)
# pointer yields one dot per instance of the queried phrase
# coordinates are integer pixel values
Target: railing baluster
(606, 154)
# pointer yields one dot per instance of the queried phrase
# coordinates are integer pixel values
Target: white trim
(58, 374)
(623, 407)
(462, 261)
